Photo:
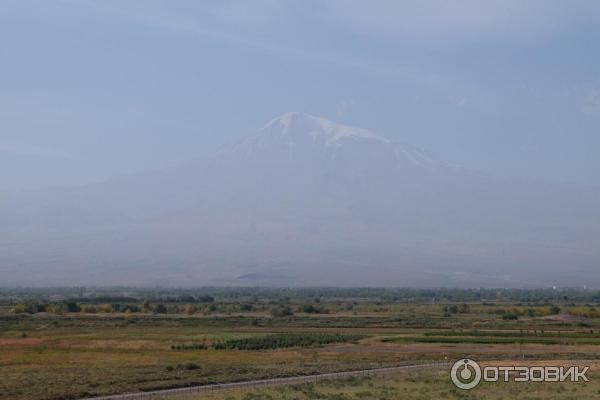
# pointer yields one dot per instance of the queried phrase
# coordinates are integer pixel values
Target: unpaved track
(269, 382)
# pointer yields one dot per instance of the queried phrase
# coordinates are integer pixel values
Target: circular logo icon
(465, 374)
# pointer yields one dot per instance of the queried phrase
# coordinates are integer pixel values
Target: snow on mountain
(294, 132)
(294, 125)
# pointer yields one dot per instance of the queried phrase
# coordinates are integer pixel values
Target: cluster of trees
(281, 311)
(313, 309)
(55, 308)
(457, 309)
(60, 308)
(514, 313)
(182, 299)
(530, 312)
(71, 307)
(275, 341)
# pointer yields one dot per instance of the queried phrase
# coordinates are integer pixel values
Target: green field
(51, 352)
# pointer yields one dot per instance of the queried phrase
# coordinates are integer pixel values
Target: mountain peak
(297, 124)
(298, 135)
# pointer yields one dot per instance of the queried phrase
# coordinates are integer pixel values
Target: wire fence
(270, 382)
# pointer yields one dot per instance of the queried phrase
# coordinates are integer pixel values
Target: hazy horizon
(288, 143)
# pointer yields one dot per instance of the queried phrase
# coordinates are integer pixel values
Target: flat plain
(56, 346)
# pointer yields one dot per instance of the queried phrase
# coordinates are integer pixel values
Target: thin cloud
(438, 20)
(591, 103)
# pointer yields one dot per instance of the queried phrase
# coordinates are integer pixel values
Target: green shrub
(554, 310)
(284, 340)
(281, 311)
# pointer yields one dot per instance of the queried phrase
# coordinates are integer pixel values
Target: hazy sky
(508, 87)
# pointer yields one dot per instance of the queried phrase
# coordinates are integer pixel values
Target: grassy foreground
(54, 346)
(414, 386)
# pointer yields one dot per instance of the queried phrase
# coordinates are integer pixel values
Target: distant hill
(305, 201)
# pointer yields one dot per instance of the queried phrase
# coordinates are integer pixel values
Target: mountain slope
(306, 201)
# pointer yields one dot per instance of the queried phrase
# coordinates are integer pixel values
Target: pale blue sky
(507, 87)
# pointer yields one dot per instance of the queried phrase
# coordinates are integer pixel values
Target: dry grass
(413, 386)
(74, 356)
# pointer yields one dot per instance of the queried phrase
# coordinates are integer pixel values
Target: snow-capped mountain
(305, 201)
(294, 133)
